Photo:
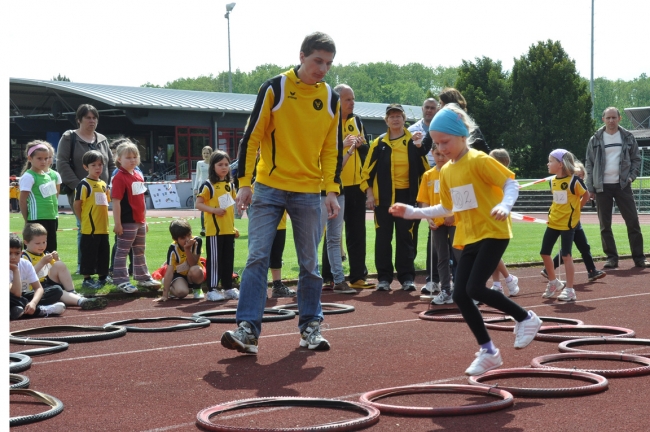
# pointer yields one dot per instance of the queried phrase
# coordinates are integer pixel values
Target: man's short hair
(317, 41)
(92, 156)
(32, 230)
(340, 87)
(179, 228)
(611, 108)
(15, 242)
(430, 99)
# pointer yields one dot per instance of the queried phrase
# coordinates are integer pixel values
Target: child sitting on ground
(91, 208)
(27, 298)
(184, 269)
(51, 271)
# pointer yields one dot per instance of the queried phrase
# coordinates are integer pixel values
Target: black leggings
(476, 264)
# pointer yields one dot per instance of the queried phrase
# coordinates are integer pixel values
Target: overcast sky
(131, 42)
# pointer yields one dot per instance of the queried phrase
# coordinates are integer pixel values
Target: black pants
(95, 255)
(224, 248)
(51, 225)
(277, 249)
(580, 240)
(476, 264)
(51, 295)
(385, 223)
(354, 218)
(625, 202)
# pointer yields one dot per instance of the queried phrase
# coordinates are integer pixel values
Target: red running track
(160, 381)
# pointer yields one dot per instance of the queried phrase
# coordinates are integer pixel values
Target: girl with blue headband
(480, 192)
(569, 195)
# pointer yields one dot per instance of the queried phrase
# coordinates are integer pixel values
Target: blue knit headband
(449, 122)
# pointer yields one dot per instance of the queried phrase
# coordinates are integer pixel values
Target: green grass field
(523, 248)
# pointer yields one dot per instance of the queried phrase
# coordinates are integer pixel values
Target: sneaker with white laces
(126, 287)
(442, 298)
(567, 294)
(430, 288)
(150, 284)
(383, 286)
(484, 362)
(232, 294)
(595, 275)
(497, 288)
(312, 339)
(54, 309)
(408, 286)
(215, 295)
(280, 291)
(198, 293)
(513, 286)
(343, 288)
(526, 330)
(552, 287)
(242, 339)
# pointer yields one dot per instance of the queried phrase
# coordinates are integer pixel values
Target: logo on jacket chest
(318, 104)
(292, 95)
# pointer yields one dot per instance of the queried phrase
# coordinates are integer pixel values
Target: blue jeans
(333, 238)
(267, 206)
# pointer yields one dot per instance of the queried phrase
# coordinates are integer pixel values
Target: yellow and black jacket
(297, 128)
(378, 170)
(351, 173)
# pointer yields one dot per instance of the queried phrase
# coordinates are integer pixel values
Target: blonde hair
(127, 147)
(501, 155)
(207, 147)
(579, 168)
(568, 163)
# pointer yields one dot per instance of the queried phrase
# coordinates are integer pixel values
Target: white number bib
(464, 198)
(138, 188)
(560, 197)
(436, 186)
(101, 199)
(226, 201)
(48, 189)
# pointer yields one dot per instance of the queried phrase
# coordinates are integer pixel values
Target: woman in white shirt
(201, 176)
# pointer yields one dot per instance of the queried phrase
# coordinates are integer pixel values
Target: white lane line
(354, 396)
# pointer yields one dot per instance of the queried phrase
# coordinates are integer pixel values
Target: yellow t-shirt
(564, 213)
(471, 187)
(35, 259)
(177, 259)
(218, 225)
(14, 192)
(94, 206)
(429, 192)
(400, 162)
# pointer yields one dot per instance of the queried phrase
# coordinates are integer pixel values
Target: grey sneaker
(94, 303)
(383, 286)
(312, 339)
(611, 263)
(442, 298)
(150, 284)
(91, 284)
(344, 288)
(54, 309)
(408, 286)
(282, 291)
(430, 288)
(242, 339)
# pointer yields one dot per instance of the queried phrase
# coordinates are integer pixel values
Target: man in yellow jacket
(296, 125)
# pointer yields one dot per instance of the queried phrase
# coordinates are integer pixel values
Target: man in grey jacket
(612, 163)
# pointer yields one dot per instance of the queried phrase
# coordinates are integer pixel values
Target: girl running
(569, 195)
(479, 192)
(216, 199)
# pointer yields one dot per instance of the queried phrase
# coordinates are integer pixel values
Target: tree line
(541, 104)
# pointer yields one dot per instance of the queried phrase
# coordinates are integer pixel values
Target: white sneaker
(126, 287)
(215, 295)
(526, 330)
(442, 298)
(551, 288)
(513, 286)
(232, 294)
(497, 288)
(54, 309)
(430, 288)
(484, 362)
(198, 293)
(567, 294)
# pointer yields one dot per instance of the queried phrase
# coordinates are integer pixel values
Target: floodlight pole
(591, 83)
(229, 7)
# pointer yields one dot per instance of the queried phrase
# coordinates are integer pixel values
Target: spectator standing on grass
(129, 218)
(295, 124)
(39, 190)
(392, 174)
(202, 168)
(429, 110)
(72, 146)
(216, 199)
(612, 163)
(482, 230)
